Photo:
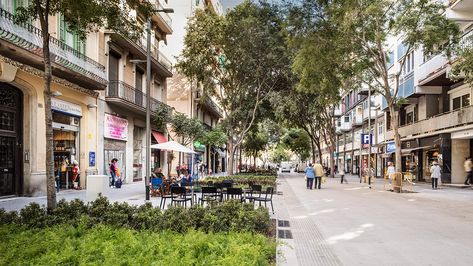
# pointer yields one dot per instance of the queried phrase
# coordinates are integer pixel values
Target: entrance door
(113, 74)
(11, 174)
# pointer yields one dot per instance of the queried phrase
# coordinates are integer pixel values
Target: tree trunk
(312, 144)
(231, 154)
(48, 117)
(397, 138)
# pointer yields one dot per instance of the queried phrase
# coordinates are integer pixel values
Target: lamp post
(148, 98)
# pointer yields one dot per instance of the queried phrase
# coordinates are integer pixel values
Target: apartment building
(436, 121)
(124, 101)
(98, 101)
(185, 96)
(354, 116)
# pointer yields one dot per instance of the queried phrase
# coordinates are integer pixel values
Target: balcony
(366, 114)
(345, 126)
(159, 63)
(337, 112)
(461, 6)
(162, 20)
(443, 121)
(210, 105)
(23, 42)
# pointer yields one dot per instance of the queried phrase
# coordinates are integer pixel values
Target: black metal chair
(164, 196)
(254, 193)
(268, 197)
(235, 193)
(190, 189)
(209, 194)
(179, 195)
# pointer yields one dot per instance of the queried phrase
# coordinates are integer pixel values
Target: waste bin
(96, 184)
(397, 182)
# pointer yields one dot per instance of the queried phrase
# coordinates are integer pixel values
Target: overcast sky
(229, 3)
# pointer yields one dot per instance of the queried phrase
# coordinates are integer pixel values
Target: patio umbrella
(172, 146)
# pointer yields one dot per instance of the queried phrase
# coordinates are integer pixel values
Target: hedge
(246, 180)
(66, 244)
(225, 217)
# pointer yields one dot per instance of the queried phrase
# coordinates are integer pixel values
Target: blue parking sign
(366, 139)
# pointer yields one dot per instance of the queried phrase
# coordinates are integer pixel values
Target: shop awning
(159, 137)
(407, 151)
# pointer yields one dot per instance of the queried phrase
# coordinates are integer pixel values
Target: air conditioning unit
(75, 121)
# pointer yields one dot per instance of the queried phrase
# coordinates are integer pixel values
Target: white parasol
(172, 146)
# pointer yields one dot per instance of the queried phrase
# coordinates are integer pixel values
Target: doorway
(11, 148)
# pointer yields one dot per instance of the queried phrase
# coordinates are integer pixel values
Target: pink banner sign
(115, 127)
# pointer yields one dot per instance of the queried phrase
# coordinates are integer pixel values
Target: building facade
(96, 107)
(436, 117)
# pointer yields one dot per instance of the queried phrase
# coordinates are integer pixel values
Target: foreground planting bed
(102, 233)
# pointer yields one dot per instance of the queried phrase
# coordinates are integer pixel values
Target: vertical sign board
(366, 139)
(91, 158)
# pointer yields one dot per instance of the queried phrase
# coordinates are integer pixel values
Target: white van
(285, 167)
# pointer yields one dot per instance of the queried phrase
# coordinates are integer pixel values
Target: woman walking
(309, 175)
(341, 172)
(436, 173)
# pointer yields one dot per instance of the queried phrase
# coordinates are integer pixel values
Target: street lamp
(148, 97)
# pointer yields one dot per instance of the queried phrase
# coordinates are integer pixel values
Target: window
(461, 101)
(408, 64)
(11, 6)
(347, 118)
(380, 128)
(70, 38)
(410, 118)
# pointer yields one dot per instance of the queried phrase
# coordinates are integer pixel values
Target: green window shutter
(62, 28)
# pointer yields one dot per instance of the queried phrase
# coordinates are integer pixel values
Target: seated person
(158, 172)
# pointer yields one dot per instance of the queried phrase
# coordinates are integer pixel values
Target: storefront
(66, 129)
(115, 138)
(157, 155)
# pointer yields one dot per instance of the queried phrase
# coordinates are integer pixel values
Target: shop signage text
(115, 127)
(390, 147)
(66, 107)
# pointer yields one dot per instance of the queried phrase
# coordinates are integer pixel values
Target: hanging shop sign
(390, 147)
(91, 158)
(366, 139)
(115, 127)
(66, 107)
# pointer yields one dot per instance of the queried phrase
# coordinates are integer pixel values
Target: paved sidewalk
(351, 224)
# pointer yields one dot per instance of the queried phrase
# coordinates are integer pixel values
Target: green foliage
(162, 116)
(104, 245)
(187, 129)
(89, 15)
(146, 217)
(246, 179)
(215, 137)
(298, 141)
(238, 58)
(279, 154)
(255, 141)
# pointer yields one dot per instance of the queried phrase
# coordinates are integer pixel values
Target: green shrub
(106, 245)
(228, 216)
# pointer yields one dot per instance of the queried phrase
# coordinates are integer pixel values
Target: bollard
(96, 184)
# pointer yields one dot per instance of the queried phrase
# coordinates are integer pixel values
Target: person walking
(468, 168)
(435, 174)
(319, 172)
(341, 172)
(309, 175)
(75, 174)
(390, 172)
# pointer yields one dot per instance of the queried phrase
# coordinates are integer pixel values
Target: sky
(229, 3)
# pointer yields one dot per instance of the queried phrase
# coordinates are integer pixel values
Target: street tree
(298, 141)
(279, 154)
(81, 17)
(238, 58)
(215, 137)
(186, 129)
(255, 142)
(366, 26)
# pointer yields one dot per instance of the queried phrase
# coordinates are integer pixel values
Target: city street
(351, 224)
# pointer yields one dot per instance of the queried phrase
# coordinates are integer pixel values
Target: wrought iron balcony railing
(121, 90)
(28, 37)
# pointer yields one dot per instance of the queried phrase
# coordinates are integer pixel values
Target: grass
(105, 245)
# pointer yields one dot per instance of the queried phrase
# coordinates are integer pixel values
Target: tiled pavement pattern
(309, 244)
